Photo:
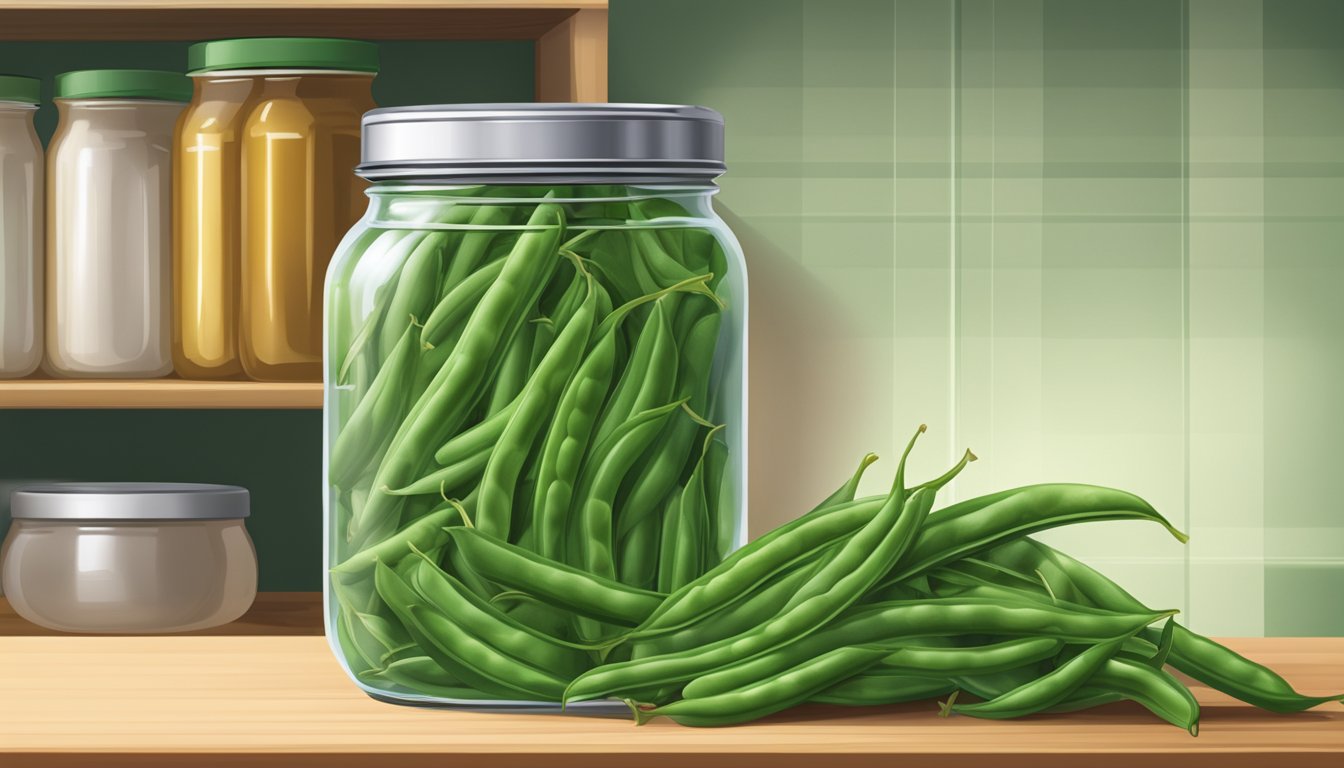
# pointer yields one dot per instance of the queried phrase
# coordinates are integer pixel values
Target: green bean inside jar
(535, 393)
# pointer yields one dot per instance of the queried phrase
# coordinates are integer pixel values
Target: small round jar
(129, 557)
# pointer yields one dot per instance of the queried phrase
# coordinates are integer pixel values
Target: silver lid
(526, 143)
(129, 501)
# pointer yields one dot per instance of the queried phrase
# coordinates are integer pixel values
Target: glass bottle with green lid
(108, 223)
(265, 189)
(20, 228)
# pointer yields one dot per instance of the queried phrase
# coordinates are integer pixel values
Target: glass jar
(20, 228)
(282, 114)
(129, 557)
(538, 328)
(108, 223)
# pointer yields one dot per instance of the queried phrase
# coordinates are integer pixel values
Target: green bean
(649, 376)
(396, 247)
(1085, 697)
(856, 567)
(475, 242)
(421, 675)
(846, 492)
(565, 444)
(875, 688)
(373, 320)
(417, 283)
(456, 306)
(970, 526)
(487, 622)
(444, 406)
(692, 534)
(449, 479)
(749, 610)
(575, 417)
(512, 374)
(610, 462)
(663, 469)
(537, 399)
(751, 565)
(667, 543)
(481, 437)
(462, 654)
(1156, 690)
(767, 697)
(424, 534)
(1195, 655)
(891, 624)
(1046, 691)
(559, 584)
(754, 564)
(362, 436)
(364, 636)
(1226, 670)
(723, 507)
(639, 557)
(975, 659)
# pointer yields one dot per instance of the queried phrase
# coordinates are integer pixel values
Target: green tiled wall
(1094, 240)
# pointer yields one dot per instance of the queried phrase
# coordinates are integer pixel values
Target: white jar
(109, 209)
(20, 228)
(129, 557)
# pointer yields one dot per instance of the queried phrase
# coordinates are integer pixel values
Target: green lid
(18, 88)
(283, 53)
(123, 84)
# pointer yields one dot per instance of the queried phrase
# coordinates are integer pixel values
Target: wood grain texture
(572, 59)
(273, 613)
(261, 701)
(205, 19)
(157, 393)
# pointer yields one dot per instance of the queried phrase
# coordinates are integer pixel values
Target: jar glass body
(109, 185)
(21, 177)
(129, 577)
(300, 145)
(207, 230)
(569, 362)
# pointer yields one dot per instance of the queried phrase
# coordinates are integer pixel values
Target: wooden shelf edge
(158, 393)
(177, 5)
(212, 19)
(273, 614)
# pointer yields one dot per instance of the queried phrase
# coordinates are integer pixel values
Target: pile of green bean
(544, 360)
(532, 506)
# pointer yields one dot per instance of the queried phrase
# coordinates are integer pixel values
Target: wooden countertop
(274, 699)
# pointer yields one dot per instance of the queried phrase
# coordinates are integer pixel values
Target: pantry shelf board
(272, 614)
(366, 19)
(254, 702)
(158, 393)
(570, 36)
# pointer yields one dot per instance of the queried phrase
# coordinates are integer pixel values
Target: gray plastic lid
(129, 501)
(524, 143)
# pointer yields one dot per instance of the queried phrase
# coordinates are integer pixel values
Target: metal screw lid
(538, 143)
(129, 501)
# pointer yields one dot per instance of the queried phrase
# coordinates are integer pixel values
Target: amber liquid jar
(264, 191)
(207, 227)
(300, 148)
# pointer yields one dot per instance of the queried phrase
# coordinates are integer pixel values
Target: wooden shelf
(194, 19)
(264, 701)
(273, 613)
(570, 35)
(157, 393)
